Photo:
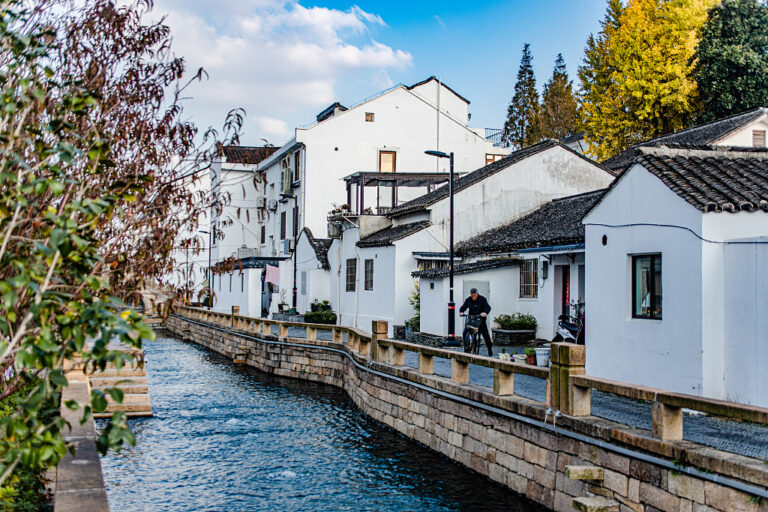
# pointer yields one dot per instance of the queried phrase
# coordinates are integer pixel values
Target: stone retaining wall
(518, 453)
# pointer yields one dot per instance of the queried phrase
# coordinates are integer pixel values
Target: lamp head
(438, 154)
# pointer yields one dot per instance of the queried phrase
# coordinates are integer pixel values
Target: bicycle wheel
(476, 344)
(467, 342)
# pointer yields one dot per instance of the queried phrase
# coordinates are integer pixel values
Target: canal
(228, 438)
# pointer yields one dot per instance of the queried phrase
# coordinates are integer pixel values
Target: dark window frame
(295, 221)
(283, 227)
(369, 275)
(351, 275)
(394, 159)
(651, 288)
(263, 235)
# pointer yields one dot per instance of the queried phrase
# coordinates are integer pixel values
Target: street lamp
(286, 197)
(451, 305)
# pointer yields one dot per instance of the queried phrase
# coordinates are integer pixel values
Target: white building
(298, 184)
(534, 265)
(677, 281)
(374, 256)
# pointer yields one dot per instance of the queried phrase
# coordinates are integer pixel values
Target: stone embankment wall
(467, 424)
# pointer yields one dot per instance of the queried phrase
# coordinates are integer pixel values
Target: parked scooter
(568, 331)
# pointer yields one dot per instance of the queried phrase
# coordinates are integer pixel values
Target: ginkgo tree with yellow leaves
(638, 79)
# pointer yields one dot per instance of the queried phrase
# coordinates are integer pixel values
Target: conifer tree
(649, 62)
(558, 109)
(522, 126)
(732, 59)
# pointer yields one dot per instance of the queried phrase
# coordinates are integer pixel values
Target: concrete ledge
(79, 479)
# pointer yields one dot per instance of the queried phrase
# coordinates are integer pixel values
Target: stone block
(573, 488)
(544, 477)
(595, 504)
(686, 506)
(724, 498)
(659, 498)
(614, 461)
(507, 461)
(584, 473)
(615, 482)
(633, 490)
(534, 454)
(686, 487)
(645, 472)
(540, 494)
(563, 502)
(517, 482)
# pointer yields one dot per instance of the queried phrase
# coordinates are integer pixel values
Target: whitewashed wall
(743, 137)
(661, 353)
(516, 191)
(249, 299)
(746, 323)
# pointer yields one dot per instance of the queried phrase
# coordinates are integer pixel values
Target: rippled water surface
(227, 438)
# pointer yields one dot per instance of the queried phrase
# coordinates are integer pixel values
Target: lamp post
(451, 304)
(286, 197)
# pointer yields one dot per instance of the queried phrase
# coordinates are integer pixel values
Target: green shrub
(530, 351)
(516, 322)
(325, 316)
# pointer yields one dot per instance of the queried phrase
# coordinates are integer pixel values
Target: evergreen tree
(732, 59)
(648, 62)
(522, 126)
(558, 109)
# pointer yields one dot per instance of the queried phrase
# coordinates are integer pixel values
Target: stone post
(396, 356)
(503, 382)
(379, 330)
(459, 371)
(338, 335)
(567, 359)
(311, 334)
(426, 364)
(282, 330)
(666, 422)
(235, 312)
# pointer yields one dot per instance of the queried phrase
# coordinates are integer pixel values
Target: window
(489, 158)
(285, 175)
(351, 274)
(369, 117)
(529, 279)
(242, 282)
(263, 235)
(369, 274)
(295, 221)
(758, 138)
(297, 166)
(387, 161)
(646, 286)
(304, 282)
(282, 226)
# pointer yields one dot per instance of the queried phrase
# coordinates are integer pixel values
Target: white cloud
(279, 60)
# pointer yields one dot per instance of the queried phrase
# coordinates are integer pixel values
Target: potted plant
(530, 356)
(514, 329)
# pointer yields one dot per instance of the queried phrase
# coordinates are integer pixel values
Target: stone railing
(568, 386)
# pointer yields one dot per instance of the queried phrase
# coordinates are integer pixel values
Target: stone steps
(595, 504)
(132, 382)
(123, 372)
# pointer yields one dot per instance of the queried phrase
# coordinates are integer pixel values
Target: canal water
(227, 438)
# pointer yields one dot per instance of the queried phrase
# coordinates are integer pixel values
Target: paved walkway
(742, 438)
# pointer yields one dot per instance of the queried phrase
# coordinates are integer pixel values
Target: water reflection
(229, 438)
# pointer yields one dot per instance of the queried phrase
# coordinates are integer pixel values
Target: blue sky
(284, 61)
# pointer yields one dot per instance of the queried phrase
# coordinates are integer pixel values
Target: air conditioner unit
(261, 201)
(288, 246)
(272, 204)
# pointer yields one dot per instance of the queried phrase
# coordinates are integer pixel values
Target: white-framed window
(490, 158)
(529, 279)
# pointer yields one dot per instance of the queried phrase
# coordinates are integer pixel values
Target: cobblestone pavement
(742, 438)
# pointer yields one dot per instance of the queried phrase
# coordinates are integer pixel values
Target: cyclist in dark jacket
(476, 304)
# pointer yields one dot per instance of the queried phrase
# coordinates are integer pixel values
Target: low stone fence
(505, 437)
(79, 480)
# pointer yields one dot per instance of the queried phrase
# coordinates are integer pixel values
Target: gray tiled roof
(698, 135)
(321, 246)
(712, 178)
(388, 235)
(247, 154)
(555, 223)
(466, 268)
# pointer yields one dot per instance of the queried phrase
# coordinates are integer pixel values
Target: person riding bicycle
(478, 305)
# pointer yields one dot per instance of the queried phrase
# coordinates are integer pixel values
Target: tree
(522, 126)
(732, 59)
(558, 116)
(94, 156)
(649, 61)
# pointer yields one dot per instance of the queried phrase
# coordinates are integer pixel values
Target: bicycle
(471, 334)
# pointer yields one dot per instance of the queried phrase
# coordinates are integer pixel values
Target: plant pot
(542, 357)
(520, 358)
(530, 359)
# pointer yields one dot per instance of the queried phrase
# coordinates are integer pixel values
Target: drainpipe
(357, 283)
